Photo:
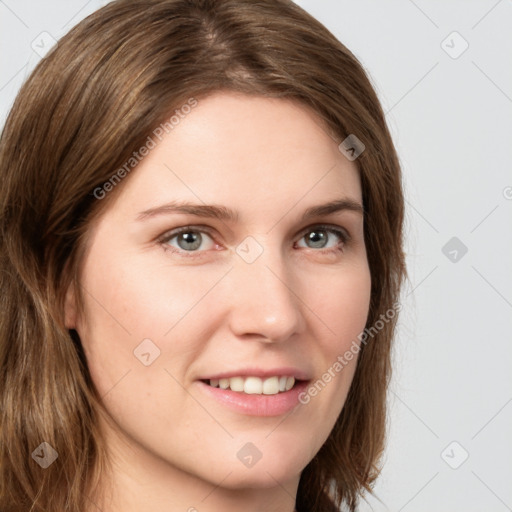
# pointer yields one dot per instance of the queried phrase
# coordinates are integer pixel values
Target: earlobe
(70, 308)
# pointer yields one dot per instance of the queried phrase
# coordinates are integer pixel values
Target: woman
(201, 259)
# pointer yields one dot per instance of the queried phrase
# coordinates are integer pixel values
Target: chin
(263, 473)
(260, 478)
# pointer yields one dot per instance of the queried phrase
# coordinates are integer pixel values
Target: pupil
(190, 240)
(318, 238)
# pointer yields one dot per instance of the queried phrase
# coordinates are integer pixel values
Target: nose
(264, 303)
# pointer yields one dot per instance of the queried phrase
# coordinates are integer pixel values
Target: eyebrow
(226, 214)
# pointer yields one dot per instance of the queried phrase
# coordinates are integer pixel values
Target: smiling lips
(257, 396)
(257, 391)
(255, 385)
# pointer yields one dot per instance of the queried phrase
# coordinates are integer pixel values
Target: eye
(193, 241)
(187, 239)
(325, 237)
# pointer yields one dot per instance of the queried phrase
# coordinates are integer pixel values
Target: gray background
(450, 112)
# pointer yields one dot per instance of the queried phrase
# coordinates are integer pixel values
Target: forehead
(253, 154)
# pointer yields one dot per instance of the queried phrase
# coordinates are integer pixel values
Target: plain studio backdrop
(443, 73)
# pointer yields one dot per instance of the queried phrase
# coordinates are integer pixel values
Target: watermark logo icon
(249, 249)
(454, 45)
(455, 455)
(454, 250)
(43, 43)
(146, 352)
(45, 455)
(351, 147)
(249, 455)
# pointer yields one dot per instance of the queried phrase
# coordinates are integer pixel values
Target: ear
(70, 309)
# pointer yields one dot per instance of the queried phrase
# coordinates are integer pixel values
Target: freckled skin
(295, 305)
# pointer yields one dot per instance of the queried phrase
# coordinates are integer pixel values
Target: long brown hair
(89, 104)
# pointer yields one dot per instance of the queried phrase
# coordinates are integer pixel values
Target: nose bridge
(264, 302)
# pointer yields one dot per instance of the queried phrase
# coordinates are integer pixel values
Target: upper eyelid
(328, 227)
(171, 233)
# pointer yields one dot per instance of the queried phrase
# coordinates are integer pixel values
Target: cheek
(341, 302)
(340, 310)
(141, 334)
(134, 308)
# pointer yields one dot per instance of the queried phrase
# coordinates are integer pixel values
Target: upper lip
(287, 371)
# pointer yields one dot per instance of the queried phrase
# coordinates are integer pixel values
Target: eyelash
(166, 237)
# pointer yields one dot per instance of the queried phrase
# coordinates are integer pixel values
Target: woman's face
(260, 287)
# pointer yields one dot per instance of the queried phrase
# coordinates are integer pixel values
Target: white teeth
(236, 384)
(255, 385)
(271, 386)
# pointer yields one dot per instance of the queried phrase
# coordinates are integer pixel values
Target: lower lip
(256, 405)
